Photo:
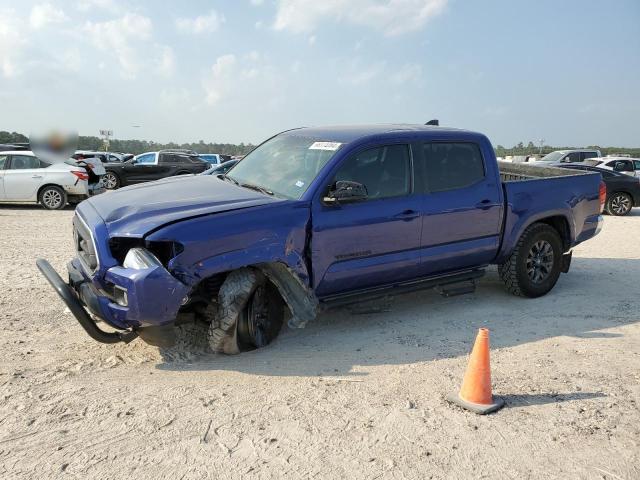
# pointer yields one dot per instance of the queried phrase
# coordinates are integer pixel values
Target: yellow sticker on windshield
(325, 146)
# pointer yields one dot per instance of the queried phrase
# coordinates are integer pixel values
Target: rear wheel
(619, 204)
(53, 198)
(111, 181)
(534, 267)
(249, 313)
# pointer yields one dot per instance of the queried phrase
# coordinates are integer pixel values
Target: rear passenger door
(461, 207)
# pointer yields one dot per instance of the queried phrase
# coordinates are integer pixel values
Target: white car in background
(25, 178)
(630, 166)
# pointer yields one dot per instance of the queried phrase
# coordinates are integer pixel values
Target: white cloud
(257, 3)
(166, 64)
(391, 17)
(201, 24)
(410, 72)
(12, 41)
(109, 5)
(218, 81)
(45, 14)
(312, 40)
(358, 73)
(120, 37)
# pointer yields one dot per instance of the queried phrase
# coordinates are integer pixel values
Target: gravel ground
(351, 396)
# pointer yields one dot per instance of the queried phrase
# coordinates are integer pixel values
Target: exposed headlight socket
(140, 258)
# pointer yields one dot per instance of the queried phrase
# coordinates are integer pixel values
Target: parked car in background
(220, 169)
(215, 158)
(569, 156)
(27, 178)
(151, 166)
(13, 147)
(630, 166)
(623, 191)
(104, 157)
(319, 217)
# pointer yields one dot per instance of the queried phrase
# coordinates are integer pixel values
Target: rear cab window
(451, 165)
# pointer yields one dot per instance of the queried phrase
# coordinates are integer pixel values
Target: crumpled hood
(136, 210)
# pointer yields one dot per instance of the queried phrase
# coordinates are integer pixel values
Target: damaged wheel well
(300, 300)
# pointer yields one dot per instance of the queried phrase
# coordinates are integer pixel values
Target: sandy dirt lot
(350, 396)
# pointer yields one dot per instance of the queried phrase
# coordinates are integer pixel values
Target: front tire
(249, 313)
(111, 181)
(619, 204)
(53, 198)
(534, 267)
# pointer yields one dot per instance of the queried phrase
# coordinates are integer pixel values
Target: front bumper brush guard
(69, 297)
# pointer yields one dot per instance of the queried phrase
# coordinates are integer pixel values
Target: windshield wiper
(257, 188)
(224, 176)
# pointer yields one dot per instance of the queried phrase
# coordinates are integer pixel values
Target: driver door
(371, 242)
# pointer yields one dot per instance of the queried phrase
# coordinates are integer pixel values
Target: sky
(238, 71)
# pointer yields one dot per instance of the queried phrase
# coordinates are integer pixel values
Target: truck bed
(568, 197)
(517, 172)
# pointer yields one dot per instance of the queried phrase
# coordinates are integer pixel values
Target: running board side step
(448, 285)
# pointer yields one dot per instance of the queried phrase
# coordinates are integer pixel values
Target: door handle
(36, 176)
(484, 204)
(407, 215)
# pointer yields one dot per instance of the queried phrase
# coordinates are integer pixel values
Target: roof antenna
(434, 123)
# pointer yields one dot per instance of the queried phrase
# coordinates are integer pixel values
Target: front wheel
(619, 204)
(534, 267)
(249, 313)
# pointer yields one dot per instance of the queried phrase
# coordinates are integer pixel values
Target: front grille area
(84, 245)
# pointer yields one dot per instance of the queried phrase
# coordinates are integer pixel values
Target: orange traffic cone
(475, 393)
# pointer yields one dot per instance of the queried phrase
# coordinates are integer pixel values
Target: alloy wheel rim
(540, 261)
(110, 180)
(52, 198)
(620, 204)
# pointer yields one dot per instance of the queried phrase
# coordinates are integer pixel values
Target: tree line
(531, 148)
(141, 146)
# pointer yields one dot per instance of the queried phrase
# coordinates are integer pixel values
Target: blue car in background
(220, 169)
(317, 217)
(214, 158)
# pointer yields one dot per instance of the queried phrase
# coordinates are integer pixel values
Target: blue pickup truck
(316, 217)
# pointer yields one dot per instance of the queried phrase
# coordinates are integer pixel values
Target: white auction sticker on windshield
(325, 146)
(299, 184)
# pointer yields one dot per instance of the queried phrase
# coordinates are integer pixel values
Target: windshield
(552, 157)
(284, 165)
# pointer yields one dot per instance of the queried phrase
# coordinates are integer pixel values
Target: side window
(147, 158)
(449, 166)
(636, 165)
(384, 171)
(24, 162)
(624, 166)
(165, 158)
(586, 155)
(572, 157)
(3, 161)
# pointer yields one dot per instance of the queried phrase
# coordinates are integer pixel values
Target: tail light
(80, 175)
(602, 195)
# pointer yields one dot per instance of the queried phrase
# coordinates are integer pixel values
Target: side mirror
(346, 192)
